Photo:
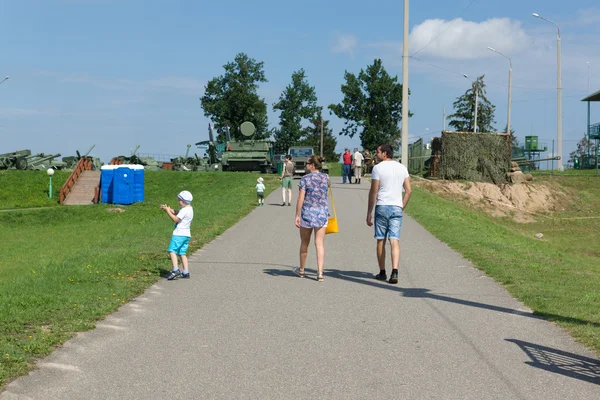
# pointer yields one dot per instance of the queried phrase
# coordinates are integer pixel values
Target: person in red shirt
(346, 168)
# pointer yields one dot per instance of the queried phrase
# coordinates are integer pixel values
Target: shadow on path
(560, 362)
(365, 278)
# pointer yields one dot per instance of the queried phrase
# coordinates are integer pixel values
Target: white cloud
(460, 39)
(344, 43)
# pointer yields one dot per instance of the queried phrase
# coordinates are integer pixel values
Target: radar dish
(248, 128)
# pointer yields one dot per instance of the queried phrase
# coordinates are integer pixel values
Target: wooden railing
(84, 164)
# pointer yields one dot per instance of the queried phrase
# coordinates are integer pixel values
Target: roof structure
(593, 97)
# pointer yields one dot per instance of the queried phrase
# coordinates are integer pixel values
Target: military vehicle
(300, 155)
(248, 154)
(149, 163)
(195, 163)
(214, 151)
(71, 161)
(23, 159)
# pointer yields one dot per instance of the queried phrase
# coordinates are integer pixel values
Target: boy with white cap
(181, 234)
(260, 191)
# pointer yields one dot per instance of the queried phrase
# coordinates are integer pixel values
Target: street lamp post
(559, 91)
(50, 172)
(5, 79)
(509, 88)
(476, 101)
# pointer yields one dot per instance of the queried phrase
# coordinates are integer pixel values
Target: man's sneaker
(381, 276)
(173, 275)
(289, 204)
(283, 204)
(184, 276)
(394, 276)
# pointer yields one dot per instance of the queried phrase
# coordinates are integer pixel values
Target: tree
(313, 138)
(298, 101)
(463, 119)
(372, 106)
(232, 98)
(584, 147)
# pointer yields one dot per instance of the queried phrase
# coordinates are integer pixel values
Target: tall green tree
(298, 101)
(312, 138)
(232, 98)
(463, 119)
(372, 106)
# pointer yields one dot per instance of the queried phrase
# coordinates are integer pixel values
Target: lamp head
(536, 15)
(50, 171)
(492, 49)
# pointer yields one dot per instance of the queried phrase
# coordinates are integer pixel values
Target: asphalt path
(245, 327)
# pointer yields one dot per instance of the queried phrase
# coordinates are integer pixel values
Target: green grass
(335, 169)
(558, 277)
(26, 189)
(65, 267)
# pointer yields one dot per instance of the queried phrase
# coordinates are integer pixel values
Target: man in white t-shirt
(388, 178)
(357, 160)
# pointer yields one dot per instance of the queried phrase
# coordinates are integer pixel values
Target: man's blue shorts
(179, 245)
(388, 221)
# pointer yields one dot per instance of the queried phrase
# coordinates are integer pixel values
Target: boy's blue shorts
(179, 245)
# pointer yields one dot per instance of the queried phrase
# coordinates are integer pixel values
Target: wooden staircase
(84, 190)
(82, 186)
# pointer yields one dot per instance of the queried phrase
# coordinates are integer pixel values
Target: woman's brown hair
(314, 160)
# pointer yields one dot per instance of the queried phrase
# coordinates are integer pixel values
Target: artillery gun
(190, 163)
(214, 151)
(149, 163)
(14, 160)
(23, 159)
(71, 161)
(247, 154)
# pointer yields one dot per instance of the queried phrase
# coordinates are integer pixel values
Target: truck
(300, 155)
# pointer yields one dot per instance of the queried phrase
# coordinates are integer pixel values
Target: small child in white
(181, 234)
(260, 192)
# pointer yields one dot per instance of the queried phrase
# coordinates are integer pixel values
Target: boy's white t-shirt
(391, 175)
(186, 214)
(260, 187)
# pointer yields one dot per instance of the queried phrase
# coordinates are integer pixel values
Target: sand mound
(522, 201)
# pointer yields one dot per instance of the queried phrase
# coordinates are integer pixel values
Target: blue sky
(118, 73)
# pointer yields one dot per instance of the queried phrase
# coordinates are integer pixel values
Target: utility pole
(559, 91)
(321, 136)
(444, 119)
(405, 87)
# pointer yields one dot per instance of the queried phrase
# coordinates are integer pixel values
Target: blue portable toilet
(138, 182)
(123, 180)
(106, 182)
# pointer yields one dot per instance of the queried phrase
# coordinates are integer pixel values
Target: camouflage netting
(479, 157)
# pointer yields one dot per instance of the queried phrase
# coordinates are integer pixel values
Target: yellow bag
(332, 224)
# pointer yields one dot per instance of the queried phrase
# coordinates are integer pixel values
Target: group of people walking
(388, 196)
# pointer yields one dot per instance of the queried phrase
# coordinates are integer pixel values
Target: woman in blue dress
(312, 213)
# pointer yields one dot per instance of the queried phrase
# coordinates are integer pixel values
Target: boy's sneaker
(173, 275)
(381, 276)
(289, 204)
(184, 276)
(394, 276)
